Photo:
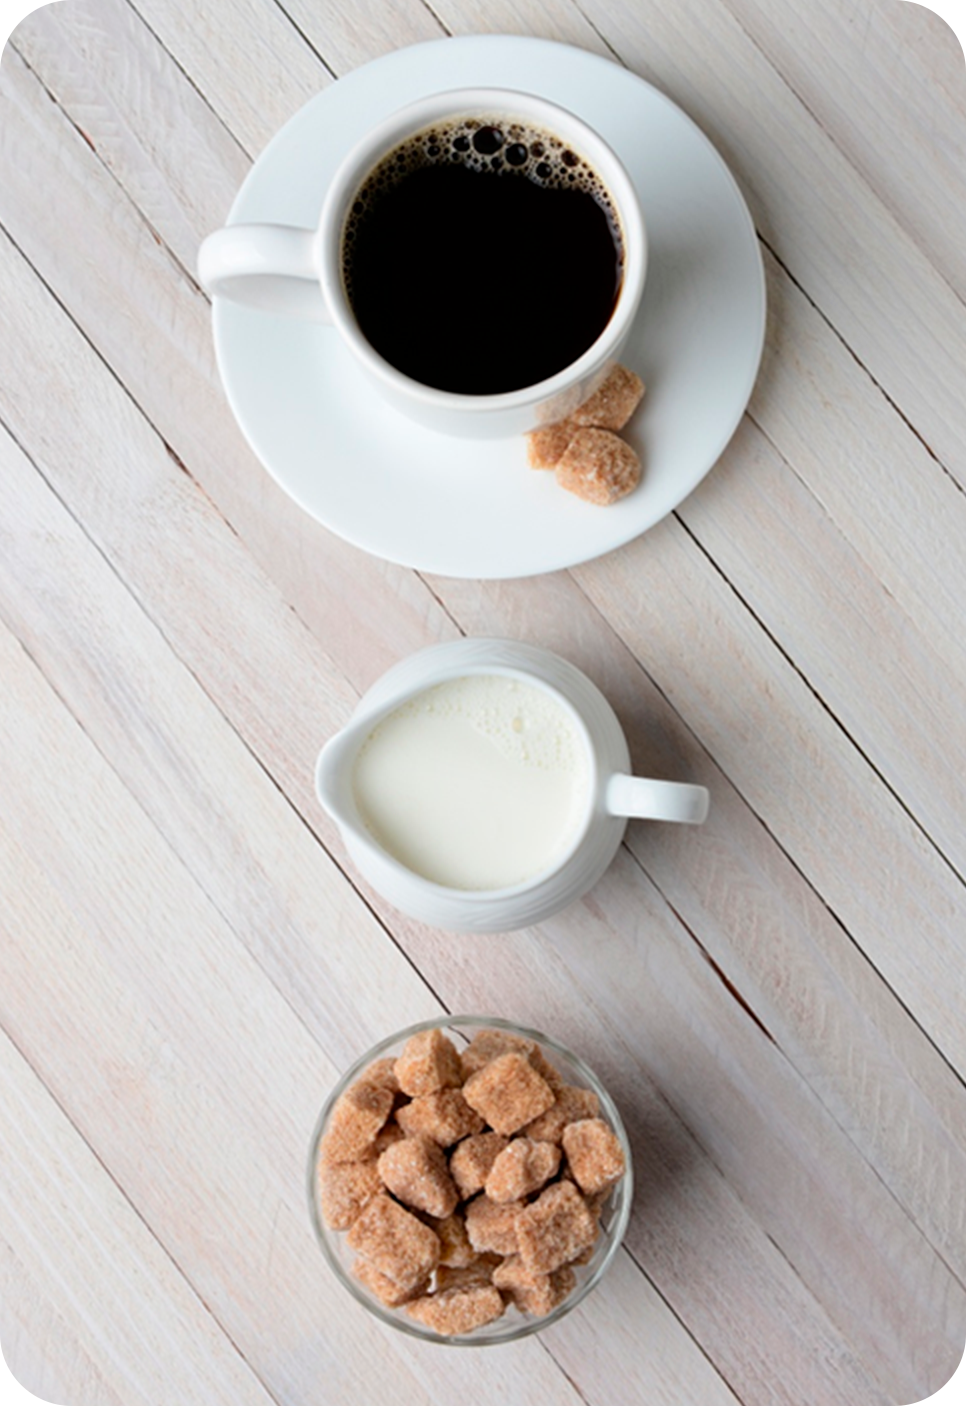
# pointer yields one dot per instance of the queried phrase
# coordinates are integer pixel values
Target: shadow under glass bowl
(613, 1221)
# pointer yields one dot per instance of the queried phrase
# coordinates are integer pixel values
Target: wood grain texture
(188, 957)
(829, 228)
(890, 113)
(778, 743)
(243, 1099)
(186, 404)
(770, 936)
(160, 1336)
(717, 1232)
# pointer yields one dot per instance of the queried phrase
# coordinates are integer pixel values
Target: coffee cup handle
(639, 797)
(271, 267)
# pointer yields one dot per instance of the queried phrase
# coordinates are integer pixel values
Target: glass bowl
(613, 1220)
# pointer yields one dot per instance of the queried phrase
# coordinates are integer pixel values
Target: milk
(478, 783)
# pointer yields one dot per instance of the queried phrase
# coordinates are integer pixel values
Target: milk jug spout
(333, 777)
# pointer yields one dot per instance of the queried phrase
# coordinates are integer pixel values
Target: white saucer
(474, 509)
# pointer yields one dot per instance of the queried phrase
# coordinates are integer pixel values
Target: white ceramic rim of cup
(616, 1230)
(406, 122)
(592, 788)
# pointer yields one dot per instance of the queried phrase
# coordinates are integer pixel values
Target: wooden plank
(131, 123)
(810, 204)
(739, 1242)
(536, 612)
(188, 403)
(188, 1074)
(860, 476)
(42, 1365)
(559, 20)
(93, 498)
(896, 694)
(357, 578)
(780, 747)
(300, 785)
(333, 41)
(792, 406)
(874, 478)
(289, 1351)
(120, 686)
(695, 1079)
(250, 62)
(232, 827)
(778, 948)
(68, 1225)
(748, 1108)
(868, 73)
(346, 38)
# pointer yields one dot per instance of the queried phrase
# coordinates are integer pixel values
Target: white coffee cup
(282, 270)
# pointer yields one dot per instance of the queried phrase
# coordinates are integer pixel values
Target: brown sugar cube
(428, 1061)
(599, 467)
(508, 1092)
(533, 1293)
(381, 1071)
(613, 402)
(456, 1311)
(386, 1290)
(572, 1103)
(456, 1249)
(355, 1120)
(546, 445)
(554, 1229)
(594, 1155)
(545, 1069)
(467, 1276)
(522, 1167)
(492, 1226)
(385, 1138)
(444, 1116)
(345, 1189)
(471, 1160)
(394, 1241)
(597, 1200)
(415, 1171)
(487, 1044)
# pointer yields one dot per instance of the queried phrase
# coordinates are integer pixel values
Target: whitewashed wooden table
(187, 960)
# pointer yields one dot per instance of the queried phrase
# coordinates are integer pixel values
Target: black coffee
(482, 256)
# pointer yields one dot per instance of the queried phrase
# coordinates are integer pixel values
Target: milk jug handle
(641, 798)
(272, 267)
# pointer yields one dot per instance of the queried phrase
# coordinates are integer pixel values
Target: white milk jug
(483, 784)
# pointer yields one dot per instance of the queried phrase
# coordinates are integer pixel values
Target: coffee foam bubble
(487, 144)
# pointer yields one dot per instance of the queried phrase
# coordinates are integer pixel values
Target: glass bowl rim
(616, 1229)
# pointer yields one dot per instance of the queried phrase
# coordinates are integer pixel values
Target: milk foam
(478, 783)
